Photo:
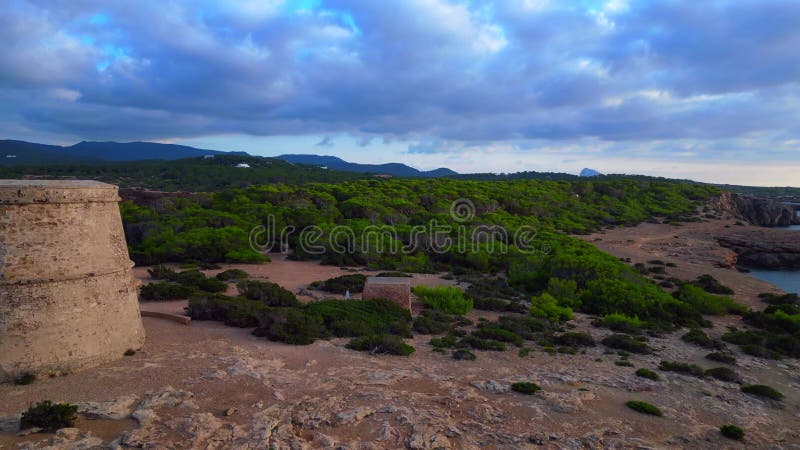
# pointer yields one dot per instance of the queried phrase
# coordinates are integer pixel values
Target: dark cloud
(435, 71)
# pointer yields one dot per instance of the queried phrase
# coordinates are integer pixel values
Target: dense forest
(562, 271)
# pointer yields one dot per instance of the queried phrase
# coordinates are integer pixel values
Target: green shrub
(463, 355)
(448, 341)
(448, 299)
(271, 294)
(526, 387)
(49, 416)
(232, 274)
(383, 343)
(163, 290)
(706, 303)
(431, 321)
(353, 318)
(482, 344)
(627, 343)
(524, 326)
(644, 408)
(686, 368)
(234, 311)
(245, 256)
(623, 363)
(620, 323)
(196, 279)
(762, 390)
(496, 304)
(394, 274)
(726, 358)
(162, 272)
(647, 373)
(25, 379)
(723, 374)
(496, 333)
(732, 432)
(711, 285)
(343, 283)
(545, 306)
(294, 326)
(699, 337)
(574, 339)
(765, 343)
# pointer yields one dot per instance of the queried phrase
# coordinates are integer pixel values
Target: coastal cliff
(763, 212)
(765, 249)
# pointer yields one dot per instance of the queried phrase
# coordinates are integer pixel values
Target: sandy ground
(180, 385)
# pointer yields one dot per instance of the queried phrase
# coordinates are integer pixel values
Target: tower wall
(68, 299)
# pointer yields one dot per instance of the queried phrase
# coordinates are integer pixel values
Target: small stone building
(68, 299)
(397, 289)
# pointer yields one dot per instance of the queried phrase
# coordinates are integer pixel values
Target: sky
(679, 88)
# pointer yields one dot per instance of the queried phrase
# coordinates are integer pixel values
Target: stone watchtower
(68, 299)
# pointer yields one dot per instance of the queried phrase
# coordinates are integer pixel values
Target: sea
(788, 280)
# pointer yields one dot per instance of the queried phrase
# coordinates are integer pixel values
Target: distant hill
(395, 169)
(586, 172)
(18, 153)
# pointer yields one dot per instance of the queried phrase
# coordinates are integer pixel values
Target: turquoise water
(788, 280)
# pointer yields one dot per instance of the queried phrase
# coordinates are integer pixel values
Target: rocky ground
(211, 386)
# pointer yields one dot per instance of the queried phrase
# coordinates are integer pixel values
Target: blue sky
(705, 90)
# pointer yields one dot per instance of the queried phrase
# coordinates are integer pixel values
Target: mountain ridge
(336, 163)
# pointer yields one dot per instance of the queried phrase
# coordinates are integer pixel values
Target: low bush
(234, 311)
(496, 304)
(644, 408)
(49, 416)
(196, 279)
(526, 387)
(341, 284)
(449, 341)
(574, 339)
(711, 285)
(482, 344)
(353, 318)
(546, 306)
(394, 275)
(162, 272)
(25, 379)
(762, 390)
(623, 363)
(765, 343)
(706, 303)
(628, 343)
(647, 373)
(232, 274)
(620, 323)
(381, 344)
(290, 325)
(431, 321)
(271, 294)
(463, 355)
(448, 299)
(163, 290)
(698, 337)
(723, 374)
(726, 358)
(685, 368)
(496, 333)
(732, 432)
(524, 326)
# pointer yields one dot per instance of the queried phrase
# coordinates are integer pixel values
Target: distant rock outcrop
(757, 211)
(764, 249)
(587, 172)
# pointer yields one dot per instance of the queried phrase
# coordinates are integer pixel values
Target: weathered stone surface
(397, 289)
(758, 211)
(68, 299)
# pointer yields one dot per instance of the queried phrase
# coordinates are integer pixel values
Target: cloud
(441, 74)
(325, 142)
